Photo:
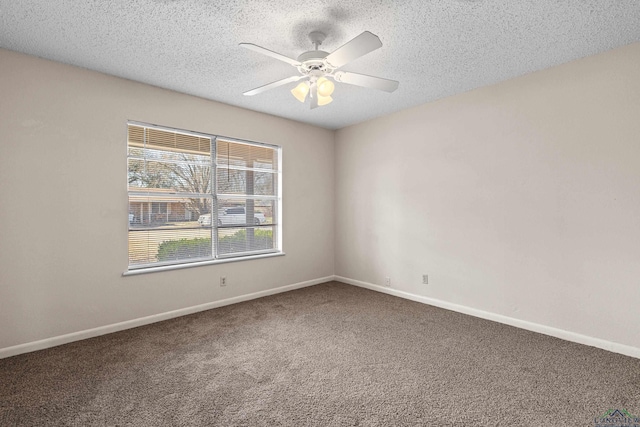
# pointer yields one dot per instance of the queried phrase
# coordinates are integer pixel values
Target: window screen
(196, 197)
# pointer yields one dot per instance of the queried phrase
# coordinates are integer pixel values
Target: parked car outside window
(232, 216)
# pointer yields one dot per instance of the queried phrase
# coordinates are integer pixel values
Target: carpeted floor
(328, 355)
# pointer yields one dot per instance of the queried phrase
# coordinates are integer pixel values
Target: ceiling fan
(316, 67)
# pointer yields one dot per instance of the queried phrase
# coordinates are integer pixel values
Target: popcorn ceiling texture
(434, 48)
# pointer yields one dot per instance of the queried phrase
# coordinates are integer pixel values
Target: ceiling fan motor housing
(312, 63)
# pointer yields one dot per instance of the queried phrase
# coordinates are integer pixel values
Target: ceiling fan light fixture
(325, 87)
(301, 91)
(324, 100)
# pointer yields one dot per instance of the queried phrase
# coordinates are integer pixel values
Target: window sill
(198, 264)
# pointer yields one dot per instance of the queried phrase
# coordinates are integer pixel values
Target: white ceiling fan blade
(270, 53)
(314, 95)
(272, 85)
(357, 47)
(366, 81)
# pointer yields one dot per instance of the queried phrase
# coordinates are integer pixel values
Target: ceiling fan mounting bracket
(317, 37)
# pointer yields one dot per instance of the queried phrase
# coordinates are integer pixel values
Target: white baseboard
(102, 330)
(522, 324)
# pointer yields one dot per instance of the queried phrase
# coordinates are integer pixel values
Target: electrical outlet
(223, 281)
(425, 279)
(387, 282)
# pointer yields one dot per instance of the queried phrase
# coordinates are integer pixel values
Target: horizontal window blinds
(145, 137)
(246, 188)
(196, 197)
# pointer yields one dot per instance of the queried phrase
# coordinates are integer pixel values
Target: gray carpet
(328, 355)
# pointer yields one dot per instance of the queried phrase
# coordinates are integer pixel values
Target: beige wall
(63, 201)
(520, 199)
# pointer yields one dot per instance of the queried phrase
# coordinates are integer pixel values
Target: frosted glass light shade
(325, 87)
(324, 100)
(301, 91)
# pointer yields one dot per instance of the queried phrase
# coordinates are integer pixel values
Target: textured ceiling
(434, 48)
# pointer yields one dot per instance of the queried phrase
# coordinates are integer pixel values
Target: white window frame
(215, 258)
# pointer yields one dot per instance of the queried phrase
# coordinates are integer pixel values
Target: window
(196, 197)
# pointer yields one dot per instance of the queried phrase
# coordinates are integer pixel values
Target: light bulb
(325, 86)
(301, 91)
(324, 100)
